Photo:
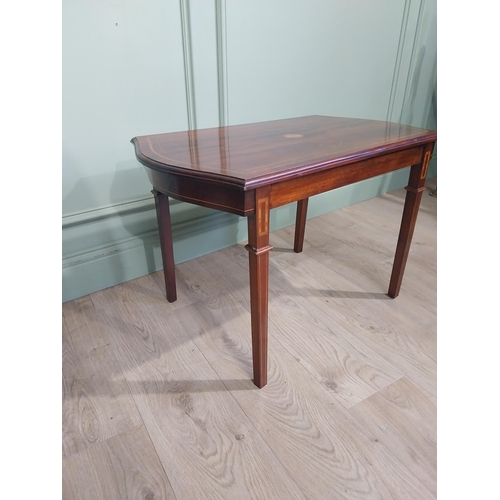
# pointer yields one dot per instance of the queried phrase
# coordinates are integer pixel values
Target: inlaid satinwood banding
(427, 157)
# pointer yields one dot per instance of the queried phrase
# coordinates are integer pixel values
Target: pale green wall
(133, 68)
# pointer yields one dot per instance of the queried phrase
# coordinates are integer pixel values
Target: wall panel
(133, 68)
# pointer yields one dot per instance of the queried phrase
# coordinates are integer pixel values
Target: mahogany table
(249, 169)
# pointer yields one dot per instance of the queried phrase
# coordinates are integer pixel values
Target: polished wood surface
(258, 248)
(250, 169)
(166, 243)
(413, 196)
(300, 225)
(255, 154)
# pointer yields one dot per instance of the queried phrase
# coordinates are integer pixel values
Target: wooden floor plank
(309, 432)
(349, 409)
(331, 283)
(406, 345)
(371, 319)
(151, 288)
(312, 292)
(75, 314)
(350, 370)
(403, 416)
(386, 211)
(211, 277)
(96, 400)
(197, 427)
(369, 273)
(124, 466)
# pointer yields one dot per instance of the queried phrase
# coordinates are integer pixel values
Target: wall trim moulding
(117, 210)
(405, 60)
(187, 52)
(222, 76)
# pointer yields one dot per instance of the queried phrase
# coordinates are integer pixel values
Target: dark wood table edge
(285, 174)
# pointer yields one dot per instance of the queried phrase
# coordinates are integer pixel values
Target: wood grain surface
(158, 400)
(124, 466)
(96, 401)
(255, 154)
(198, 429)
(309, 432)
(403, 417)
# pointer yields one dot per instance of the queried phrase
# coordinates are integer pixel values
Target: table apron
(291, 190)
(203, 192)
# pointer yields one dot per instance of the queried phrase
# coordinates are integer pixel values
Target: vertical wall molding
(188, 63)
(411, 66)
(221, 36)
(399, 57)
(405, 60)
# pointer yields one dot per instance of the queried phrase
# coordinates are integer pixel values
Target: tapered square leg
(300, 225)
(412, 202)
(258, 248)
(167, 249)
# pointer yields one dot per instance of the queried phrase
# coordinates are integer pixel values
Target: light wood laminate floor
(158, 400)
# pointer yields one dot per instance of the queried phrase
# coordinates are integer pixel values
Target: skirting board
(130, 259)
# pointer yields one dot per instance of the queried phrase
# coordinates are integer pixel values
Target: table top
(257, 154)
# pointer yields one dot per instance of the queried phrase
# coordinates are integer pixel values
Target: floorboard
(158, 400)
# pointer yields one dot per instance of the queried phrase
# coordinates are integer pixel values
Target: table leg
(167, 250)
(258, 248)
(412, 202)
(300, 225)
